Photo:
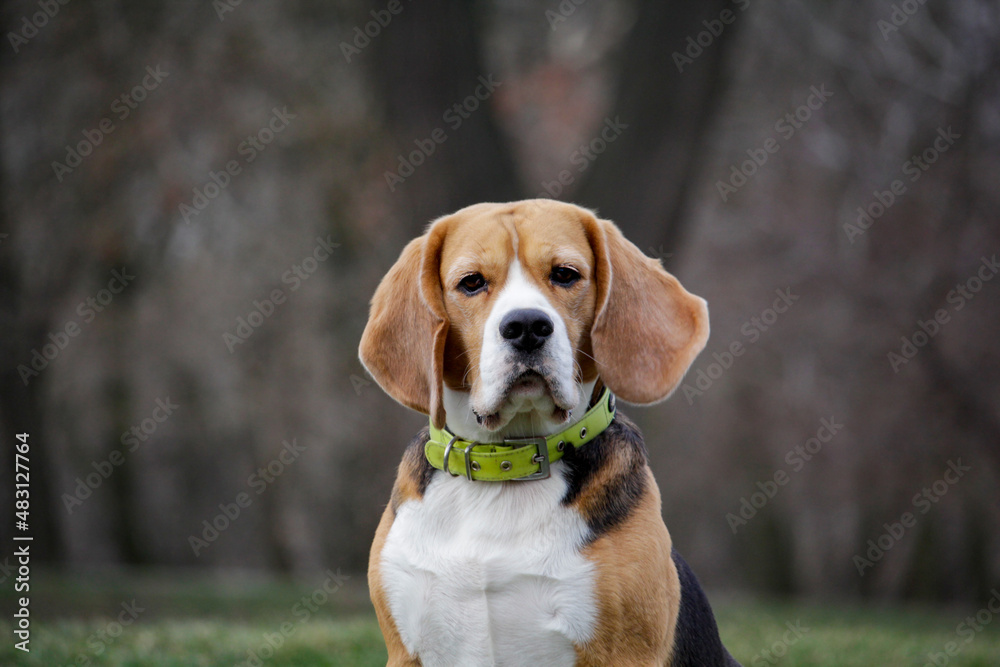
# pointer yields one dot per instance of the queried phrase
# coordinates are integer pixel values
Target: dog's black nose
(526, 328)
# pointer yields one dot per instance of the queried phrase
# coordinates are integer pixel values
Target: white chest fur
(482, 573)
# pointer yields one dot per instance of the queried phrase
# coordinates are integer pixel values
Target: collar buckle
(470, 465)
(541, 458)
(447, 457)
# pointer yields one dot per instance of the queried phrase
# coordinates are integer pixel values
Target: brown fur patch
(637, 590)
(403, 342)
(648, 328)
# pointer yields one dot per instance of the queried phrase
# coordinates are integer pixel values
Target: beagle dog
(524, 526)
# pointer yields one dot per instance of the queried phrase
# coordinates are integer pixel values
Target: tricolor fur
(505, 320)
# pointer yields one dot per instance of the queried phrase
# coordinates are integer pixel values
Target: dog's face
(519, 305)
(519, 293)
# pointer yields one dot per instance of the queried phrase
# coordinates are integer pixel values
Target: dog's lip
(527, 379)
(529, 382)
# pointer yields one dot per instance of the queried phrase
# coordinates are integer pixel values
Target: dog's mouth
(529, 382)
(526, 390)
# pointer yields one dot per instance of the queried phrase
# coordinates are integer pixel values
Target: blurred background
(200, 198)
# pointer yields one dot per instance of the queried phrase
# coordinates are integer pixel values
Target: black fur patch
(696, 639)
(621, 444)
(414, 460)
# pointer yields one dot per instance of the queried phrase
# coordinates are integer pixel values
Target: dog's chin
(527, 394)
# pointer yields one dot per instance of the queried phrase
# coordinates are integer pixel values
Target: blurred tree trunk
(32, 295)
(124, 519)
(21, 408)
(643, 179)
(425, 63)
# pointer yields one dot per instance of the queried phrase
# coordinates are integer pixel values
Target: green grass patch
(187, 621)
(176, 642)
(799, 635)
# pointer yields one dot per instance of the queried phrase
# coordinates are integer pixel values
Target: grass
(185, 621)
(844, 636)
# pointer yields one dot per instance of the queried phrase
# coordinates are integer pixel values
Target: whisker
(585, 354)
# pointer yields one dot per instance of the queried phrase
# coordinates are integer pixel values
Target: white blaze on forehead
(519, 292)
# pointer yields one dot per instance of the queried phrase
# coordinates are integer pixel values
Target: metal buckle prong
(468, 460)
(447, 453)
(541, 458)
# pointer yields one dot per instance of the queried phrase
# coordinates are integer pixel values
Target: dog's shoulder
(608, 476)
(415, 472)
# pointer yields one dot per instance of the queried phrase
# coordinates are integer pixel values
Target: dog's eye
(472, 283)
(564, 276)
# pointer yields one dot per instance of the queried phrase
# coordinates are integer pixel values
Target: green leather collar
(516, 458)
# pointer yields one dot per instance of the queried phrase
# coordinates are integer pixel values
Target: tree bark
(643, 179)
(426, 62)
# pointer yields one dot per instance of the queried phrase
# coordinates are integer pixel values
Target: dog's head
(515, 307)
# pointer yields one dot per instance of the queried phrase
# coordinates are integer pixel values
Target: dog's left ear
(403, 343)
(647, 327)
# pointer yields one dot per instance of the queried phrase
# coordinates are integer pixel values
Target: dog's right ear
(403, 343)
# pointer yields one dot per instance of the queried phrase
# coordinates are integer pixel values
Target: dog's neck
(462, 420)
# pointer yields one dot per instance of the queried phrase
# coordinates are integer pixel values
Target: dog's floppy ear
(403, 343)
(647, 327)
